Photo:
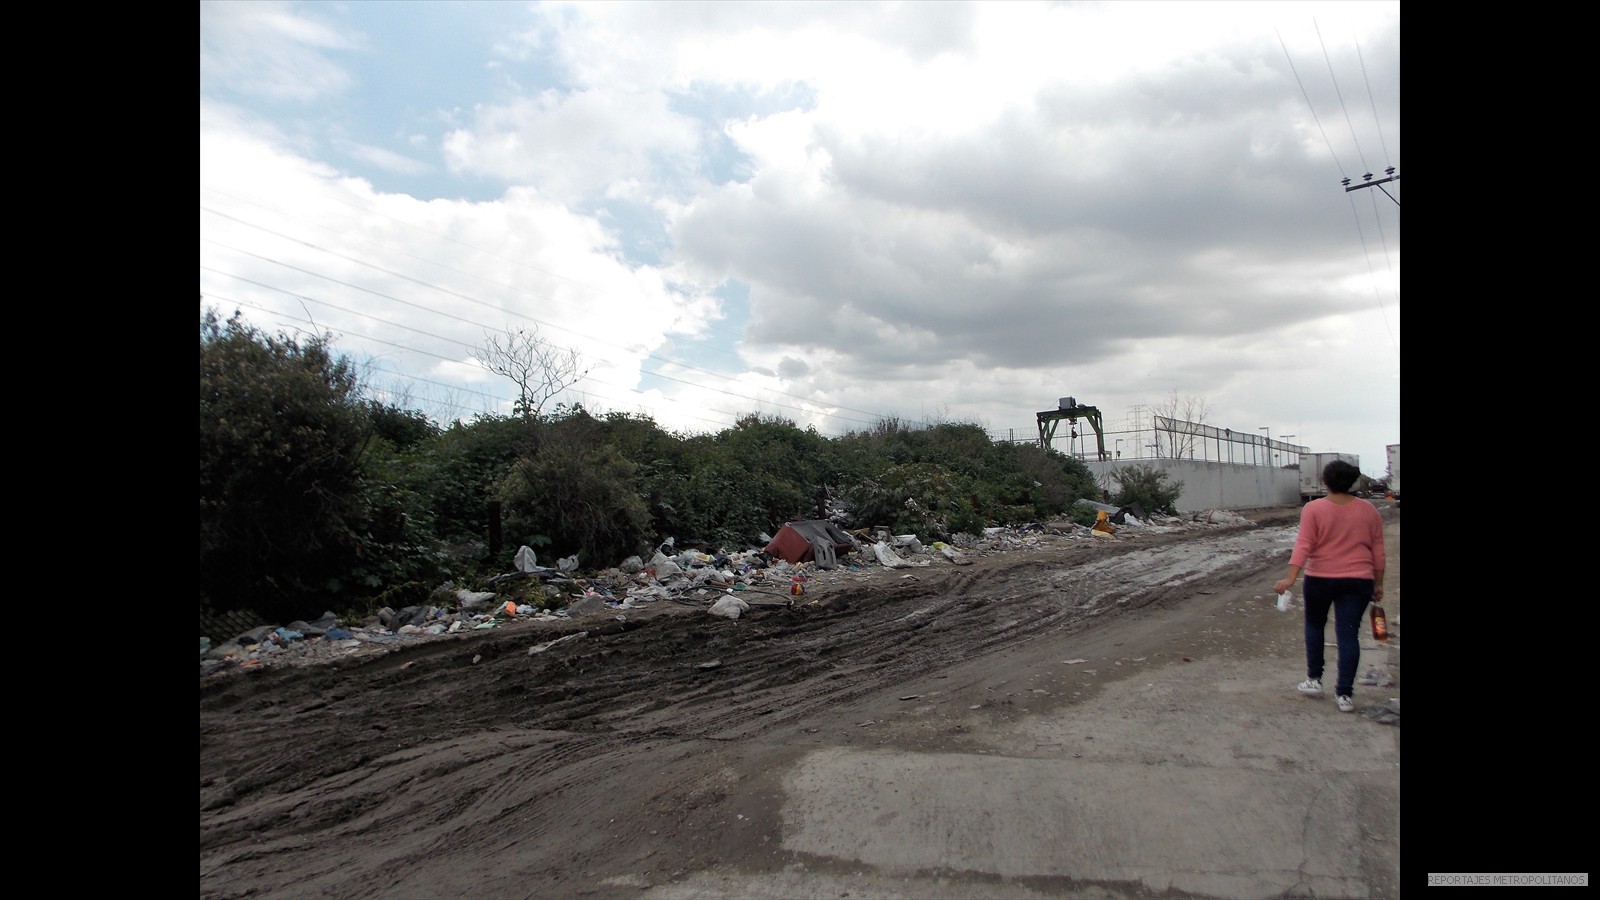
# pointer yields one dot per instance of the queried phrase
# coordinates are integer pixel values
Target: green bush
(454, 476)
(1149, 487)
(313, 498)
(575, 498)
(924, 499)
(284, 508)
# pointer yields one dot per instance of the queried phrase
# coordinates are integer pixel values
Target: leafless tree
(1183, 411)
(538, 368)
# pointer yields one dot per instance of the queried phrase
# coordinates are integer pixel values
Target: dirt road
(1113, 718)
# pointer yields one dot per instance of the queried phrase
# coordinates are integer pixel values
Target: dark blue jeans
(1349, 598)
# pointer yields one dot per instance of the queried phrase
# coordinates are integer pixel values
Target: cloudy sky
(832, 213)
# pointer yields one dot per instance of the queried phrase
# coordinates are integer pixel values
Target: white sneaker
(1346, 704)
(1312, 686)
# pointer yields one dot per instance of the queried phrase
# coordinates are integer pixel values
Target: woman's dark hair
(1339, 476)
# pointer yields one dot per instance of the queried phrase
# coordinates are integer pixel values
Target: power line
(1309, 105)
(1376, 122)
(757, 400)
(483, 303)
(1340, 95)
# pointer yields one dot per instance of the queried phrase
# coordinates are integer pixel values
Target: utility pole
(1368, 182)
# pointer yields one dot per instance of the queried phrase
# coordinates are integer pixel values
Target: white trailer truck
(1311, 464)
(1394, 470)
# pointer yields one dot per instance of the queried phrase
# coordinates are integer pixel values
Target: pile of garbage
(724, 584)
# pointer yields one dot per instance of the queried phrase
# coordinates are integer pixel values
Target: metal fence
(1168, 438)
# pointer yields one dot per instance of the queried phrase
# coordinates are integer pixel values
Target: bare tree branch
(1190, 409)
(538, 368)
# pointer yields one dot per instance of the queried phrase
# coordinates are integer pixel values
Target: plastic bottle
(1283, 601)
(1380, 624)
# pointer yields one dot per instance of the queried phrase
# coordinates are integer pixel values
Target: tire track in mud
(781, 665)
(316, 751)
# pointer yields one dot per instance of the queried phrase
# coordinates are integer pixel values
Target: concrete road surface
(1205, 777)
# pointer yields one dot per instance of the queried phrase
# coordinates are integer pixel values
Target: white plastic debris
(951, 554)
(471, 600)
(728, 606)
(887, 557)
(526, 560)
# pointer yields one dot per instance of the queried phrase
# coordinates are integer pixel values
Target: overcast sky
(832, 213)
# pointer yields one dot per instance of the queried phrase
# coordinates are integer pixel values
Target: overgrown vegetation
(1149, 487)
(314, 498)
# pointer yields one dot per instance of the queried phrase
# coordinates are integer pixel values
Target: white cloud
(964, 209)
(272, 50)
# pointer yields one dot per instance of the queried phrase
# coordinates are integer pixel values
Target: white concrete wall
(1213, 485)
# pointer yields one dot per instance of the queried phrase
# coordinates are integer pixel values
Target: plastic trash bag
(908, 542)
(728, 606)
(888, 558)
(526, 560)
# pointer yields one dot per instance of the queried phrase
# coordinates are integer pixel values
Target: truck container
(1394, 470)
(1311, 465)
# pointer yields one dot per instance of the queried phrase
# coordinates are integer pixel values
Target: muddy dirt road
(795, 752)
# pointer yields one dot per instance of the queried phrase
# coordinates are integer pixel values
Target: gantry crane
(1069, 409)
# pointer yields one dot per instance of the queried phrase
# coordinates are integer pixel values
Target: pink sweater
(1339, 541)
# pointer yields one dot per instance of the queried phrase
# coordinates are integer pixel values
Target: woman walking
(1340, 548)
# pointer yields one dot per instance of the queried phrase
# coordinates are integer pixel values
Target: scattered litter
(887, 557)
(1222, 517)
(729, 606)
(585, 605)
(1073, 662)
(950, 553)
(689, 577)
(908, 542)
(910, 696)
(710, 665)
(1384, 713)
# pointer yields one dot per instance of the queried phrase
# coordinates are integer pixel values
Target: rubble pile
(723, 584)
